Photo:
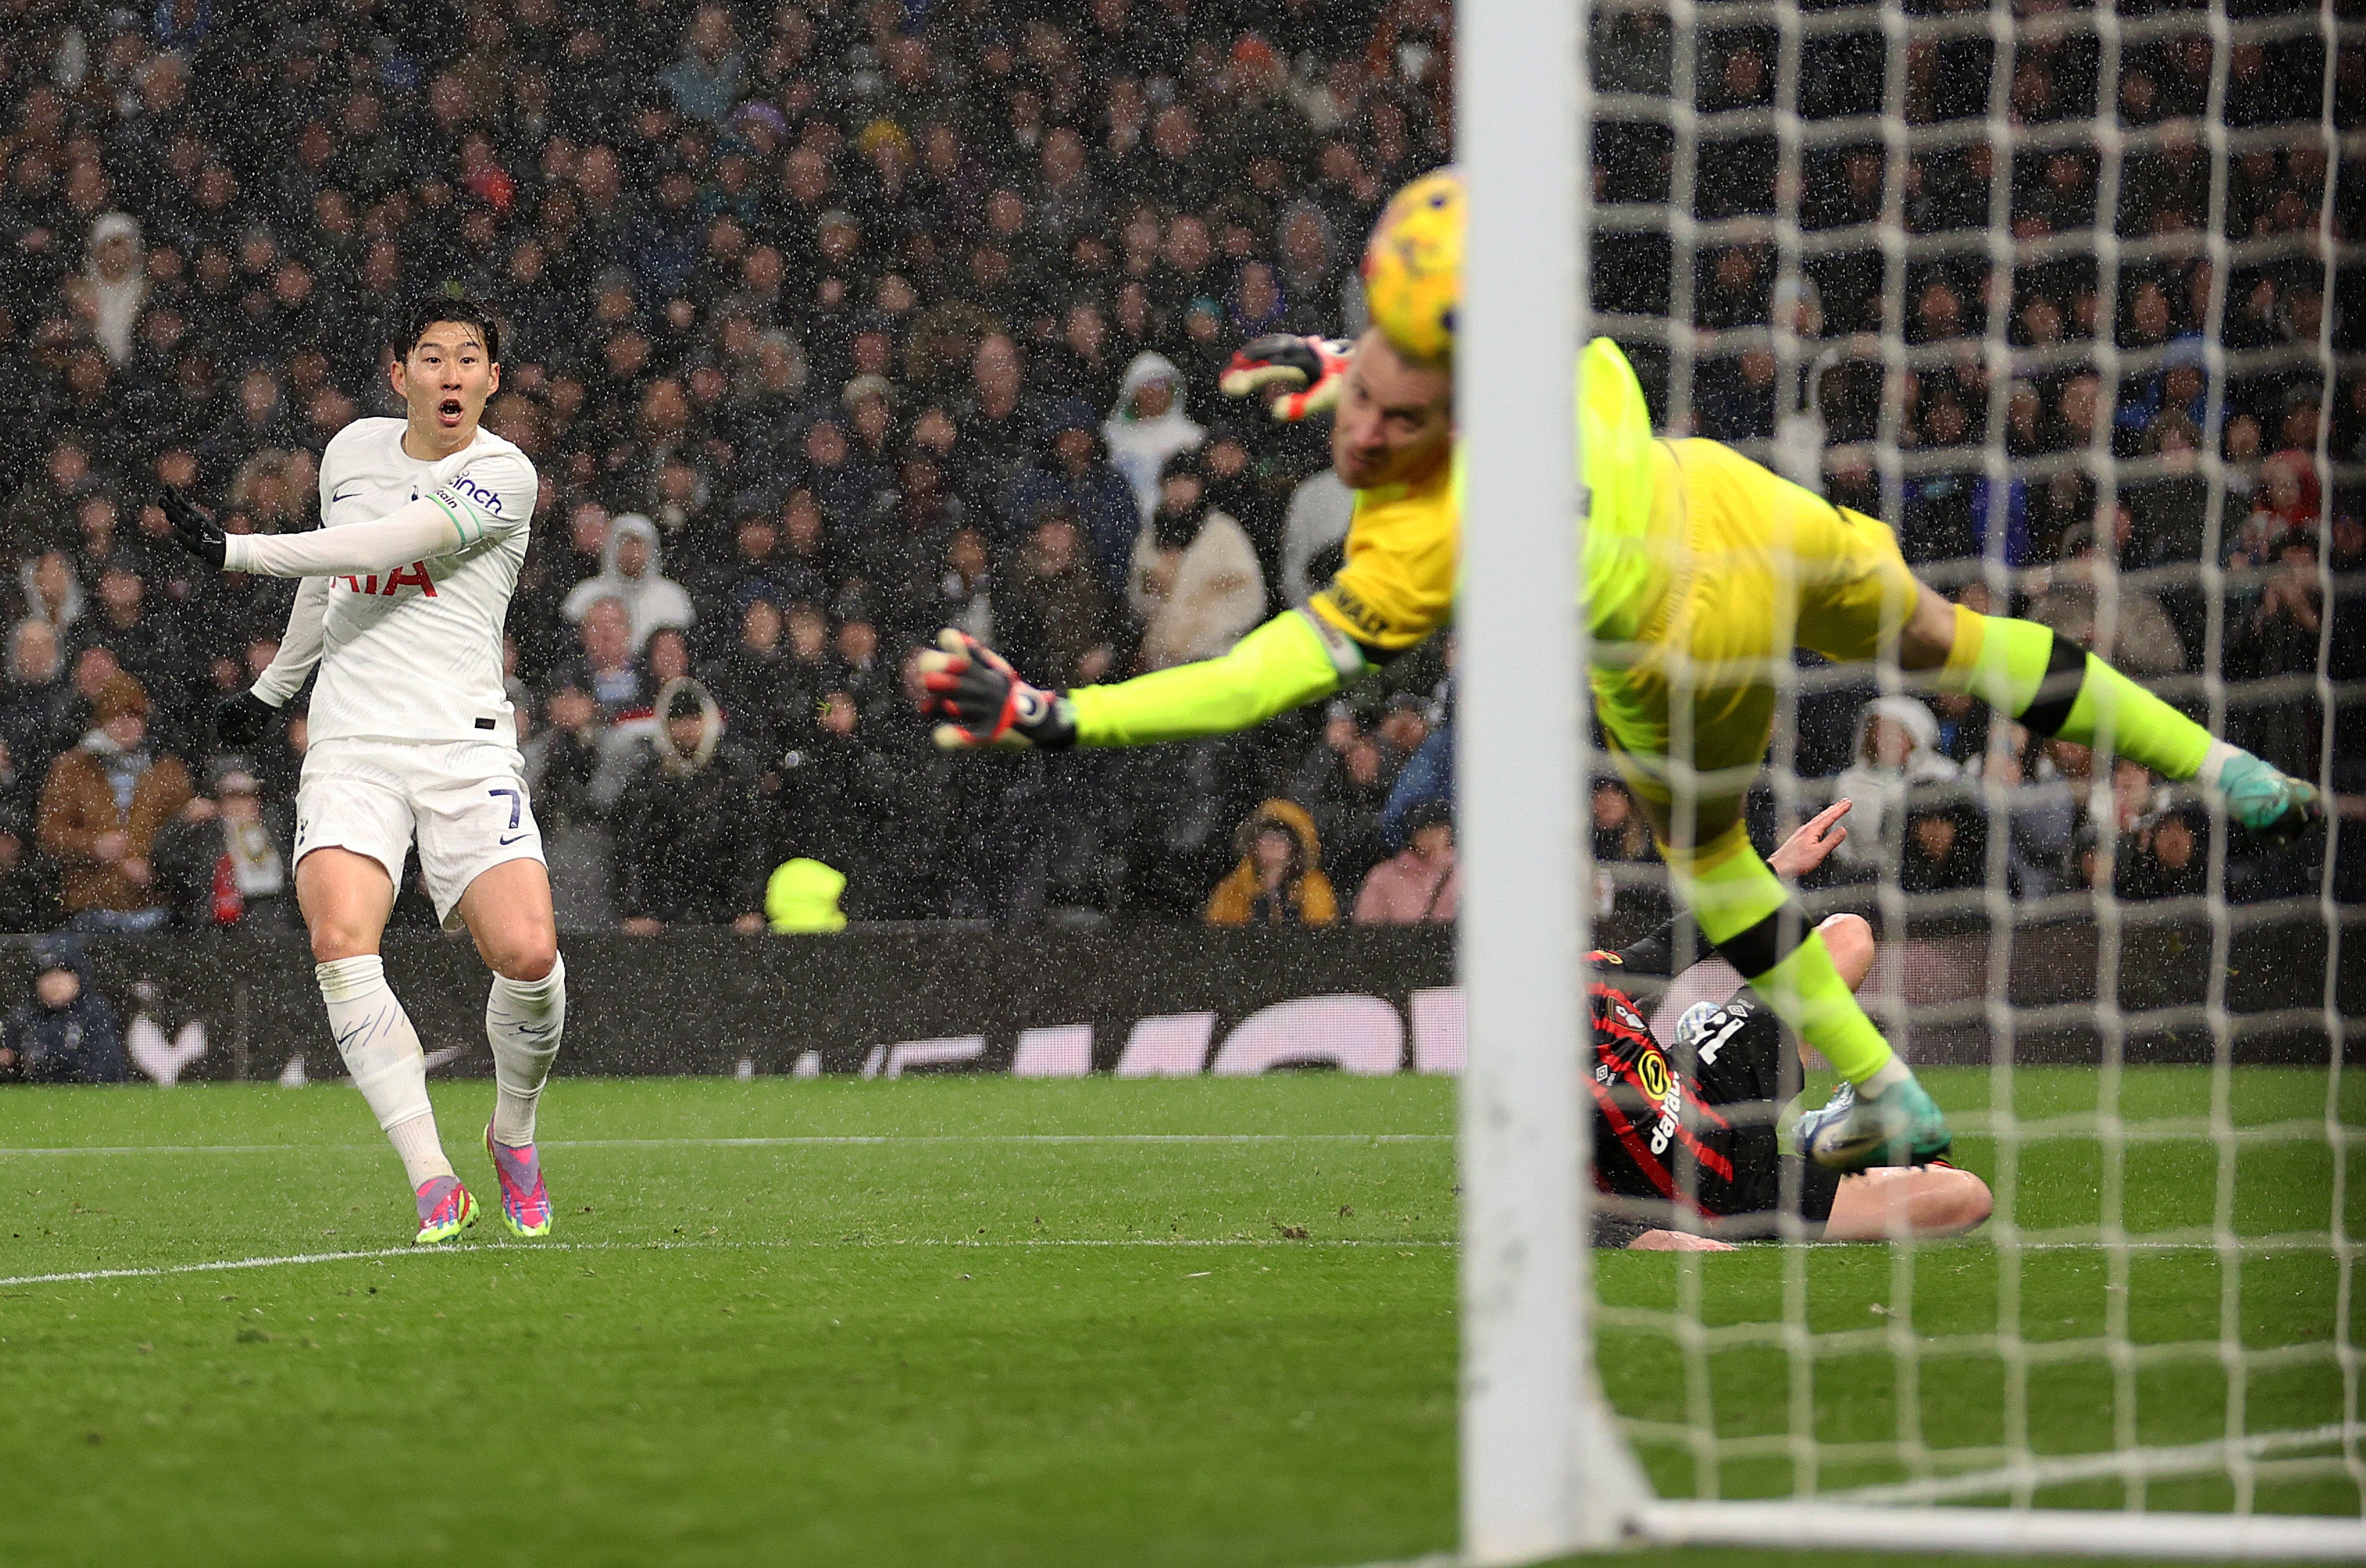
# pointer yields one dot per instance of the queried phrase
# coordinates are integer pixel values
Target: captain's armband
(1348, 656)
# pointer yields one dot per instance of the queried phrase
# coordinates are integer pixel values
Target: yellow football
(1413, 265)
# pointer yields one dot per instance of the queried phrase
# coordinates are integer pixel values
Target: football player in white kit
(406, 585)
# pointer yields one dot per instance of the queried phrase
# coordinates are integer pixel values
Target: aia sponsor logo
(411, 576)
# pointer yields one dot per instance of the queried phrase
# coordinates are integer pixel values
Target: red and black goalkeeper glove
(1298, 375)
(979, 699)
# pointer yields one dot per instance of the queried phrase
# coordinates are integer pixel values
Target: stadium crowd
(827, 324)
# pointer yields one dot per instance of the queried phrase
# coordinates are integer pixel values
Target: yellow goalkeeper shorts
(1758, 565)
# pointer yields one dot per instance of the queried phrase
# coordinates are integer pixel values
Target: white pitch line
(2052, 1470)
(528, 1250)
(864, 1138)
(226, 1263)
(813, 1140)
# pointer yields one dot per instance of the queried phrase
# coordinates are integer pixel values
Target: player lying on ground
(1702, 572)
(1684, 1137)
(406, 585)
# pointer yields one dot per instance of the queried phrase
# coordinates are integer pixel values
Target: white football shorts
(465, 801)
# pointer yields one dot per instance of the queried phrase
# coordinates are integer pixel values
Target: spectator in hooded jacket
(1196, 585)
(104, 803)
(63, 1031)
(629, 573)
(1280, 879)
(1896, 753)
(690, 842)
(1148, 426)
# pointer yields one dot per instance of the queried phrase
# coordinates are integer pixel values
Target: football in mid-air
(1413, 265)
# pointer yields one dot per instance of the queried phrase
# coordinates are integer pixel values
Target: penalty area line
(525, 1249)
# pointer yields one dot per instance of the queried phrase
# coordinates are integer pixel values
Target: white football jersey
(414, 653)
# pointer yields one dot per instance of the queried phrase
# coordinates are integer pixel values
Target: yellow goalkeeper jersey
(1702, 571)
(1397, 584)
(1403, 542)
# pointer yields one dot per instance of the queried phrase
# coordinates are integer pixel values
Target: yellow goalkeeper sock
(2058, 689)
(1744, 912)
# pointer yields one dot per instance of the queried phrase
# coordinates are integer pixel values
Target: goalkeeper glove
(1300, 376)
(983, 702)
(241, 719)
(193, 530)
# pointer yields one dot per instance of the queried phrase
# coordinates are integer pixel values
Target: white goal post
(1536, 1441)
(1544, 1470)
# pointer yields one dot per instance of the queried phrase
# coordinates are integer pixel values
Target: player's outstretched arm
(1800, 853)
(420, 530)
(452, 518)
(1814, 842)
(1676, 1241)
(980, 700)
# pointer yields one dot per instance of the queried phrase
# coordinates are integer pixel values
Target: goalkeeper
(1702, 572)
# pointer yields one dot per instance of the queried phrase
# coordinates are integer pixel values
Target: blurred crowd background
(828, 324)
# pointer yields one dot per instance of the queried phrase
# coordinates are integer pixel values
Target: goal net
(2069, 297)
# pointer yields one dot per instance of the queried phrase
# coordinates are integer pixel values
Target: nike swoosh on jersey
(514, 838)
(337, 495)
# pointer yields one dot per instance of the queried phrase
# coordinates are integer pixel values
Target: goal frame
(1544, 1469)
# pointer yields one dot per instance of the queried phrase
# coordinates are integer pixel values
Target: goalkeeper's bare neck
(1395, 424)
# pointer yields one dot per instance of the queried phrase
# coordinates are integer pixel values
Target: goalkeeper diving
(1701, 572)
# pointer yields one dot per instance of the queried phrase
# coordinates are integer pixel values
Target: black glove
(242, 720)
(983, 702)
(193, 530)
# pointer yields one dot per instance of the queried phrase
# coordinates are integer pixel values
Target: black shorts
(1741, 1062)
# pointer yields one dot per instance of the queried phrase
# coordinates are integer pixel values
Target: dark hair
(429, 308)
(1436, 811)
(1189, 462)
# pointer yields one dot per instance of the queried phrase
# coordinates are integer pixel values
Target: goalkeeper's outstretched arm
(1293, 660)
(1393, 442)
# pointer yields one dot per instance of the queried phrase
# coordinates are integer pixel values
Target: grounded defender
(1685, 1144)
(407, 583)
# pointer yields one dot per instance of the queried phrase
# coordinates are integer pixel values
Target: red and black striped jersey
(1655, 1133)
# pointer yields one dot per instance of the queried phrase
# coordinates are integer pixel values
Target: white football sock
(524, 1020)
(381, 1051)
(421, 1150)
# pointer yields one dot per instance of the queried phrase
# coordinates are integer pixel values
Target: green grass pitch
(985, 1322)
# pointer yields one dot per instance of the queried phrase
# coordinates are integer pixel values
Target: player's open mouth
(449, 411)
